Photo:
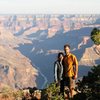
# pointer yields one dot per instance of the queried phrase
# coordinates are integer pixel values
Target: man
(58, 71)
(70, 66)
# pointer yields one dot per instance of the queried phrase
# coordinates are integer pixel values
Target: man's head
(67, 49)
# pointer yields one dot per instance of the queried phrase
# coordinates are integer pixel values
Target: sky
(49, 6)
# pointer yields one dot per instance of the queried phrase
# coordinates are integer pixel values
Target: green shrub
(53, 92)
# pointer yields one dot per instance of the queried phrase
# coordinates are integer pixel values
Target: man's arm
(76, 71)
(76, 67)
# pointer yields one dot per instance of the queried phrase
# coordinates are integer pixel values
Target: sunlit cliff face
(16, 70)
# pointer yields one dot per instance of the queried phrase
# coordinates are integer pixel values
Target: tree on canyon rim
(95, 36)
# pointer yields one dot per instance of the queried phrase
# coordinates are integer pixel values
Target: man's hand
(75, 76)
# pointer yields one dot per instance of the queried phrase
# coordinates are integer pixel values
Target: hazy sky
(49, 6)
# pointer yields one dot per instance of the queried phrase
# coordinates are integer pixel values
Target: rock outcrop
(16, 70)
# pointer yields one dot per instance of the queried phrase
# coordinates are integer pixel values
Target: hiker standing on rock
(70, 67)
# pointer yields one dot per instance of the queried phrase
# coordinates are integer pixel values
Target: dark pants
(62, 87)
(67, 81)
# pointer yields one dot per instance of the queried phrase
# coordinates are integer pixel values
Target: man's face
(67, 50)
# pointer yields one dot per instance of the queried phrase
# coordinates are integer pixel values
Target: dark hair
(60, 53)
(67, 45)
